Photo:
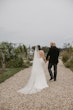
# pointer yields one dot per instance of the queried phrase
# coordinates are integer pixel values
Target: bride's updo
(39, 48)
(41, 53)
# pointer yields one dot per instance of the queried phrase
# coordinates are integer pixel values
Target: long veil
(28, 88)
(35, 60)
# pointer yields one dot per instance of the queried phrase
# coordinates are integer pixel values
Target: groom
(53, 55)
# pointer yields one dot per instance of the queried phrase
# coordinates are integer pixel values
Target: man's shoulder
(54, 48)
(58, 49)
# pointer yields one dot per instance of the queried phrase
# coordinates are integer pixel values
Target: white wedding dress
(37, 80)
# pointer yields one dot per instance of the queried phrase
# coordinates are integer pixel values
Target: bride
(37, 80)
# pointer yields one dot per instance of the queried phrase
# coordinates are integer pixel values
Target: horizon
(30, 46)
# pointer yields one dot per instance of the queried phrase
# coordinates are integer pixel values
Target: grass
(11, 71)
(8, 73)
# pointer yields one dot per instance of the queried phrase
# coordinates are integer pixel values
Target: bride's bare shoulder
(41, 53)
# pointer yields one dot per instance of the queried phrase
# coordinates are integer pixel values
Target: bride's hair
(39, 48)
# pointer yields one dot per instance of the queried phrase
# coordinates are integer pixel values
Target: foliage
(18, 62)
(27, 64)
(21, 49)
(13, 56)
(69, 64)
(65, 57)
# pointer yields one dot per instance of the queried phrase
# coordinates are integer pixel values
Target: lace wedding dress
(37, 80)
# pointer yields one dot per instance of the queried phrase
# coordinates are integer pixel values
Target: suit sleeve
(58, 52)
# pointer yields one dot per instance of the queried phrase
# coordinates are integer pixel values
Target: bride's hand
(45, 60)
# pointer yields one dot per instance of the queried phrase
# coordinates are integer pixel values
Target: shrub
(18, 62)
(71, 60)
(69, 64)
(65, 57)
(27, 64)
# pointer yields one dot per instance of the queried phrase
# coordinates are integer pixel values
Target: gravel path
(58, 96)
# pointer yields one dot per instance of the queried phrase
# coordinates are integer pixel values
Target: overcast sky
(35, 22)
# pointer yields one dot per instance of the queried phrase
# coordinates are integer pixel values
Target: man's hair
(52, 44)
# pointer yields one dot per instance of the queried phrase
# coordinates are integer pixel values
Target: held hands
(45, 60)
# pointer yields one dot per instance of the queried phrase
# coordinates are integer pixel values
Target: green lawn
(8, 73)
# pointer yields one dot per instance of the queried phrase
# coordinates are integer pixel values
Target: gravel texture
(58, 96)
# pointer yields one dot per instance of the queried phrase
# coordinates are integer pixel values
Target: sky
(34, 22)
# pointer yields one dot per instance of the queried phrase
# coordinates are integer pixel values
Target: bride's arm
(44, 58)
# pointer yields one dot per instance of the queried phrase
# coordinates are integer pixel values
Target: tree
(21, 50)
(2, 56)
